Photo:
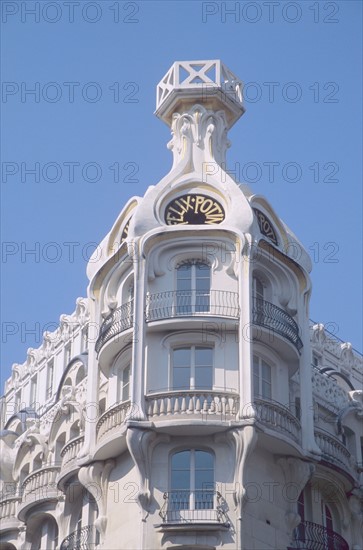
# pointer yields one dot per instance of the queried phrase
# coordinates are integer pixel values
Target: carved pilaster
(244, 441)
(95, 478)
(141, 444)
(296, 473)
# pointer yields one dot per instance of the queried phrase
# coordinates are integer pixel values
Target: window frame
(186, 300)
(192, 347)
(192, 490)
(260, 394)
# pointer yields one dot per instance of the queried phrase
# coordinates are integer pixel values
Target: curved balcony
(275, 416)
(111, 420)
(182, 508)
(271, 317)
(37, 487)
(213, 404)
(117, 322)
(333, 450)
(69, 455)
(8, 513)
(312, 536)
(85, 538)
(191, 303)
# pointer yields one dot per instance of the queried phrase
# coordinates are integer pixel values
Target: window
(67, 355)
(192, 368)
(84, 339)
(261, 378)
(193, 288)
(192, 481)
(316, 360)
(257, 289)
(124, 384)
(33, 392)
(50, 375)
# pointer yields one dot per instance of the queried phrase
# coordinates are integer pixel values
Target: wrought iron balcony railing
(119, 320)
(276, 416)
(85, 538)
(199, 506)
(267, 315)
(185, 303)
(312, 536)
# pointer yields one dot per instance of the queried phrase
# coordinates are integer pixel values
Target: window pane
(266, 390)
(203, 377)
(181, 379)
(266, 372)
(203, 356)
(181, 357)
(203, 460)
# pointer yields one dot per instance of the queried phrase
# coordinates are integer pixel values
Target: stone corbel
(297, 473)
(141, 444)
(244, 441)
(95, 479)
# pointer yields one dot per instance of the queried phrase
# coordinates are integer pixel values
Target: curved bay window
(191, 484)
(192, 368)
(193, 287)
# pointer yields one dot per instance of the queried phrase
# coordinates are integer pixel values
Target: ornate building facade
(188, 403)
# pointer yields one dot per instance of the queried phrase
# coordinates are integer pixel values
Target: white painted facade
(188, 403)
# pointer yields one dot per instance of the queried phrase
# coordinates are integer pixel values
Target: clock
(265, 226)
(194, 209)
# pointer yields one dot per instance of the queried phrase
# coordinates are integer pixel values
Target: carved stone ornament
(95, 478)
(297, 473)
(199, 135)
(329, 391)
(141, 444)
(244, 441)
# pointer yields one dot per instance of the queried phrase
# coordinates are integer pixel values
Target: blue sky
(94, 67)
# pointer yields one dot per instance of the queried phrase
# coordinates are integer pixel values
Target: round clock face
(265, 226)
(194, 209)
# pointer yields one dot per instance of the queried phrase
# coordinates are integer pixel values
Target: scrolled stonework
(198, 136)
(329, 391)
(298, 473)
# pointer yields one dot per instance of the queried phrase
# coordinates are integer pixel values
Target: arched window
(257, 288)
(262, 380)
(191, 483)
(193, 287)
(192, 368)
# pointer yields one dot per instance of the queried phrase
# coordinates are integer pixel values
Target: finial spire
(200, 101)
(208, 83)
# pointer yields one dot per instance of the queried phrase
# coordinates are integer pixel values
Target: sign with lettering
(194, 209)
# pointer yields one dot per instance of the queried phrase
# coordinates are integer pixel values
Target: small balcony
(118, 321)
(111, 421)
(191, 303)
(202, 508)
(333, 450)
(38, 487)
(69, 455)
(275, 319)
(202, 404)
(85, 538)
(8, 513)
(312, 536)
(277, 417)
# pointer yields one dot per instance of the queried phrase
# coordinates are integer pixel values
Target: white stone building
(188, 403)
